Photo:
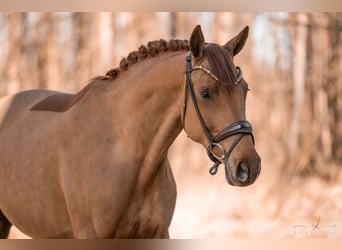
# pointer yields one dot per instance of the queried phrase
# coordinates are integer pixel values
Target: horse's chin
(229, 178)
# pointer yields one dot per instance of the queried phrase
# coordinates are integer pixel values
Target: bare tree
(14, 44)
(315, 138)
(47, 52)
(82, 23)
(333, 86)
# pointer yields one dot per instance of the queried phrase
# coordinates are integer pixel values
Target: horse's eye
(239, 74)
(205, 94)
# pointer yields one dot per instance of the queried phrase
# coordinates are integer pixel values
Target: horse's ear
(197, 42)
(235, 45)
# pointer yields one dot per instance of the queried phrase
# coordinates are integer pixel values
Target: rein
(240, 128)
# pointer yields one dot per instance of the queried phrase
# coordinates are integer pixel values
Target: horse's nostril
(242, 172)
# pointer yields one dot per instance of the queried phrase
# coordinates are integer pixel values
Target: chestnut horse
(94, 164)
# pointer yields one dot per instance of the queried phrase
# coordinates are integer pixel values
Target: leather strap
(190, 88)
(239, 127)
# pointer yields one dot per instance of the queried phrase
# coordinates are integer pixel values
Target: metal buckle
(221, 155)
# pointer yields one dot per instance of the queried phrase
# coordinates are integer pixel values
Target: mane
(152, 49)
(220, 61)
(221, 64)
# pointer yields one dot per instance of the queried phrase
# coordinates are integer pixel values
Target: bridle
(240, 128)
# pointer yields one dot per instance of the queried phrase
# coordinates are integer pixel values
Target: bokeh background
(293, 64)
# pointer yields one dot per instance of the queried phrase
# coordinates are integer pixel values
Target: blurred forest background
(293, 64)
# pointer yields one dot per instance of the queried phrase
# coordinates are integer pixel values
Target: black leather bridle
(240, 128)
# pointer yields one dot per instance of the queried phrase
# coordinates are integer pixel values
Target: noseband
(215, 150)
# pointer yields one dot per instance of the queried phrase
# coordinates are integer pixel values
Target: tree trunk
(83, 33)
(333, 86)
(299, 73)
(12, 74)
(47, 53)
(103, 42)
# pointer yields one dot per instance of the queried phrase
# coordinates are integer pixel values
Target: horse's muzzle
(244, 173)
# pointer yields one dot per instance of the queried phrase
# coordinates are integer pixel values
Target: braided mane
(152, 49)
(220, 61)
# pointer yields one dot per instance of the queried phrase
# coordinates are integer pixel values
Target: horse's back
(24, 100)
(19, 124)
(28, 161)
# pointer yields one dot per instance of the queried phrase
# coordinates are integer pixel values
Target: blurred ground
(278, 207)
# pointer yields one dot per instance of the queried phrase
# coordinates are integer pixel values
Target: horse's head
(215, 114)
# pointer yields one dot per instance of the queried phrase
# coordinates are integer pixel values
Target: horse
(94, 164)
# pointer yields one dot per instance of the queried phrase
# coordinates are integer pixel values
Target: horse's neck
(146, 102)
